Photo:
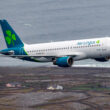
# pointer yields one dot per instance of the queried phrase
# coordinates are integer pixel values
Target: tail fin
(11, 38)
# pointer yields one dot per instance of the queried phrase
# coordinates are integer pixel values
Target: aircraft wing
(74, 55)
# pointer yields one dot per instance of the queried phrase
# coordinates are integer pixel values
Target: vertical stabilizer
(11, 38)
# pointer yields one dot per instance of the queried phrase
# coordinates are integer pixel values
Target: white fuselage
(78, 49)
(62, 54)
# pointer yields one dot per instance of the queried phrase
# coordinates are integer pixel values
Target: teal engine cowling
(63, 61)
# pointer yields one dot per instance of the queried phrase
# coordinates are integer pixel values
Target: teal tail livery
(11, 38)
(62, 54)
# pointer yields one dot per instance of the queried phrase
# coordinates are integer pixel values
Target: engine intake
(63, 61)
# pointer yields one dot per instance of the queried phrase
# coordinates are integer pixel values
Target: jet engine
(63, 61)
(102, 59)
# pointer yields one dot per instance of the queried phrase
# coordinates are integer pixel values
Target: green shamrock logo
(10, 38)
(98, 41)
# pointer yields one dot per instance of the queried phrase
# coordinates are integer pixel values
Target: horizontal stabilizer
(7, 53)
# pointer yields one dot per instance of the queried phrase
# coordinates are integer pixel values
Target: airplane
(62, 53)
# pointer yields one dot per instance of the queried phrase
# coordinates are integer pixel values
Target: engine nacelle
(102, 59)
(63, 61)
